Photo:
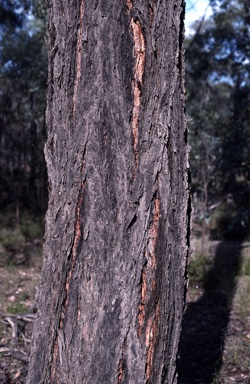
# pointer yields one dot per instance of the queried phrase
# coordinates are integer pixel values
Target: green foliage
(14, 235)
(11, 13)
(245, 268)
(243, 308)
(229, 223)
(198, 267)
(11, 239)
(216, 378)
(218, 100)
(20, 243)
(32, 229)
(16, 308)
(24, 296)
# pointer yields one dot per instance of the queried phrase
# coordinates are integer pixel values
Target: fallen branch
(29, 317)
(17, 354)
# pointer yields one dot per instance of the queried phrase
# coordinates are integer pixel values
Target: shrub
(31, 229)
(198, 268)
(11, 239)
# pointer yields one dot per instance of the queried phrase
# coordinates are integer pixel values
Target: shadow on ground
(205, 321)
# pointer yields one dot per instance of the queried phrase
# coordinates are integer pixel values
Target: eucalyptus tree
(117, 227)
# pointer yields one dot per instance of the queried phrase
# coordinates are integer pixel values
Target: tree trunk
(117, 227)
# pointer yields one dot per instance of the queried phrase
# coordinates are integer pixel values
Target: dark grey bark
(117, 228)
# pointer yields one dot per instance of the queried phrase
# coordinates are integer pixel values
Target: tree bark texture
(117, 227)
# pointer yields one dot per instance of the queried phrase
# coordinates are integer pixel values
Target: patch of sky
(196, 10)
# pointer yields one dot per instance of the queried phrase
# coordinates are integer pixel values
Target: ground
(18, 298)
(215, 342)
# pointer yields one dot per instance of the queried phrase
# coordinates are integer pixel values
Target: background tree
(218, 108)
(23, 75)
(114, 274)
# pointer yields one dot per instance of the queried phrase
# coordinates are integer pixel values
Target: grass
(241, 300)
(216, 378)
(198, 267)
(17, 287)
(235, 351)
(16, 308)
(245, 268)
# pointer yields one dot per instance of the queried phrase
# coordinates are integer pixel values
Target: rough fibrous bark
(114, 273)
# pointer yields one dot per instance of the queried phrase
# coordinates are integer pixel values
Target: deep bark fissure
(59, 341)
(151, 340)
(78, 55)
(122, 360)
(137, 84)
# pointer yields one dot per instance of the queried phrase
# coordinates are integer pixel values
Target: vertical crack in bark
(141, 313)
(120, 367)
(129, 4)
(148, 291)
(148, 278)
(78, 309)
(78, 234)
(104, 134)
(54, 360)
(151, 14)
(121, 361)
(151, 337)
(78, 56)
(140, 55)
(151, 330)
(154, 233)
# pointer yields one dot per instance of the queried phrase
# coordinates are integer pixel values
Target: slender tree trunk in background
(117, 227)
